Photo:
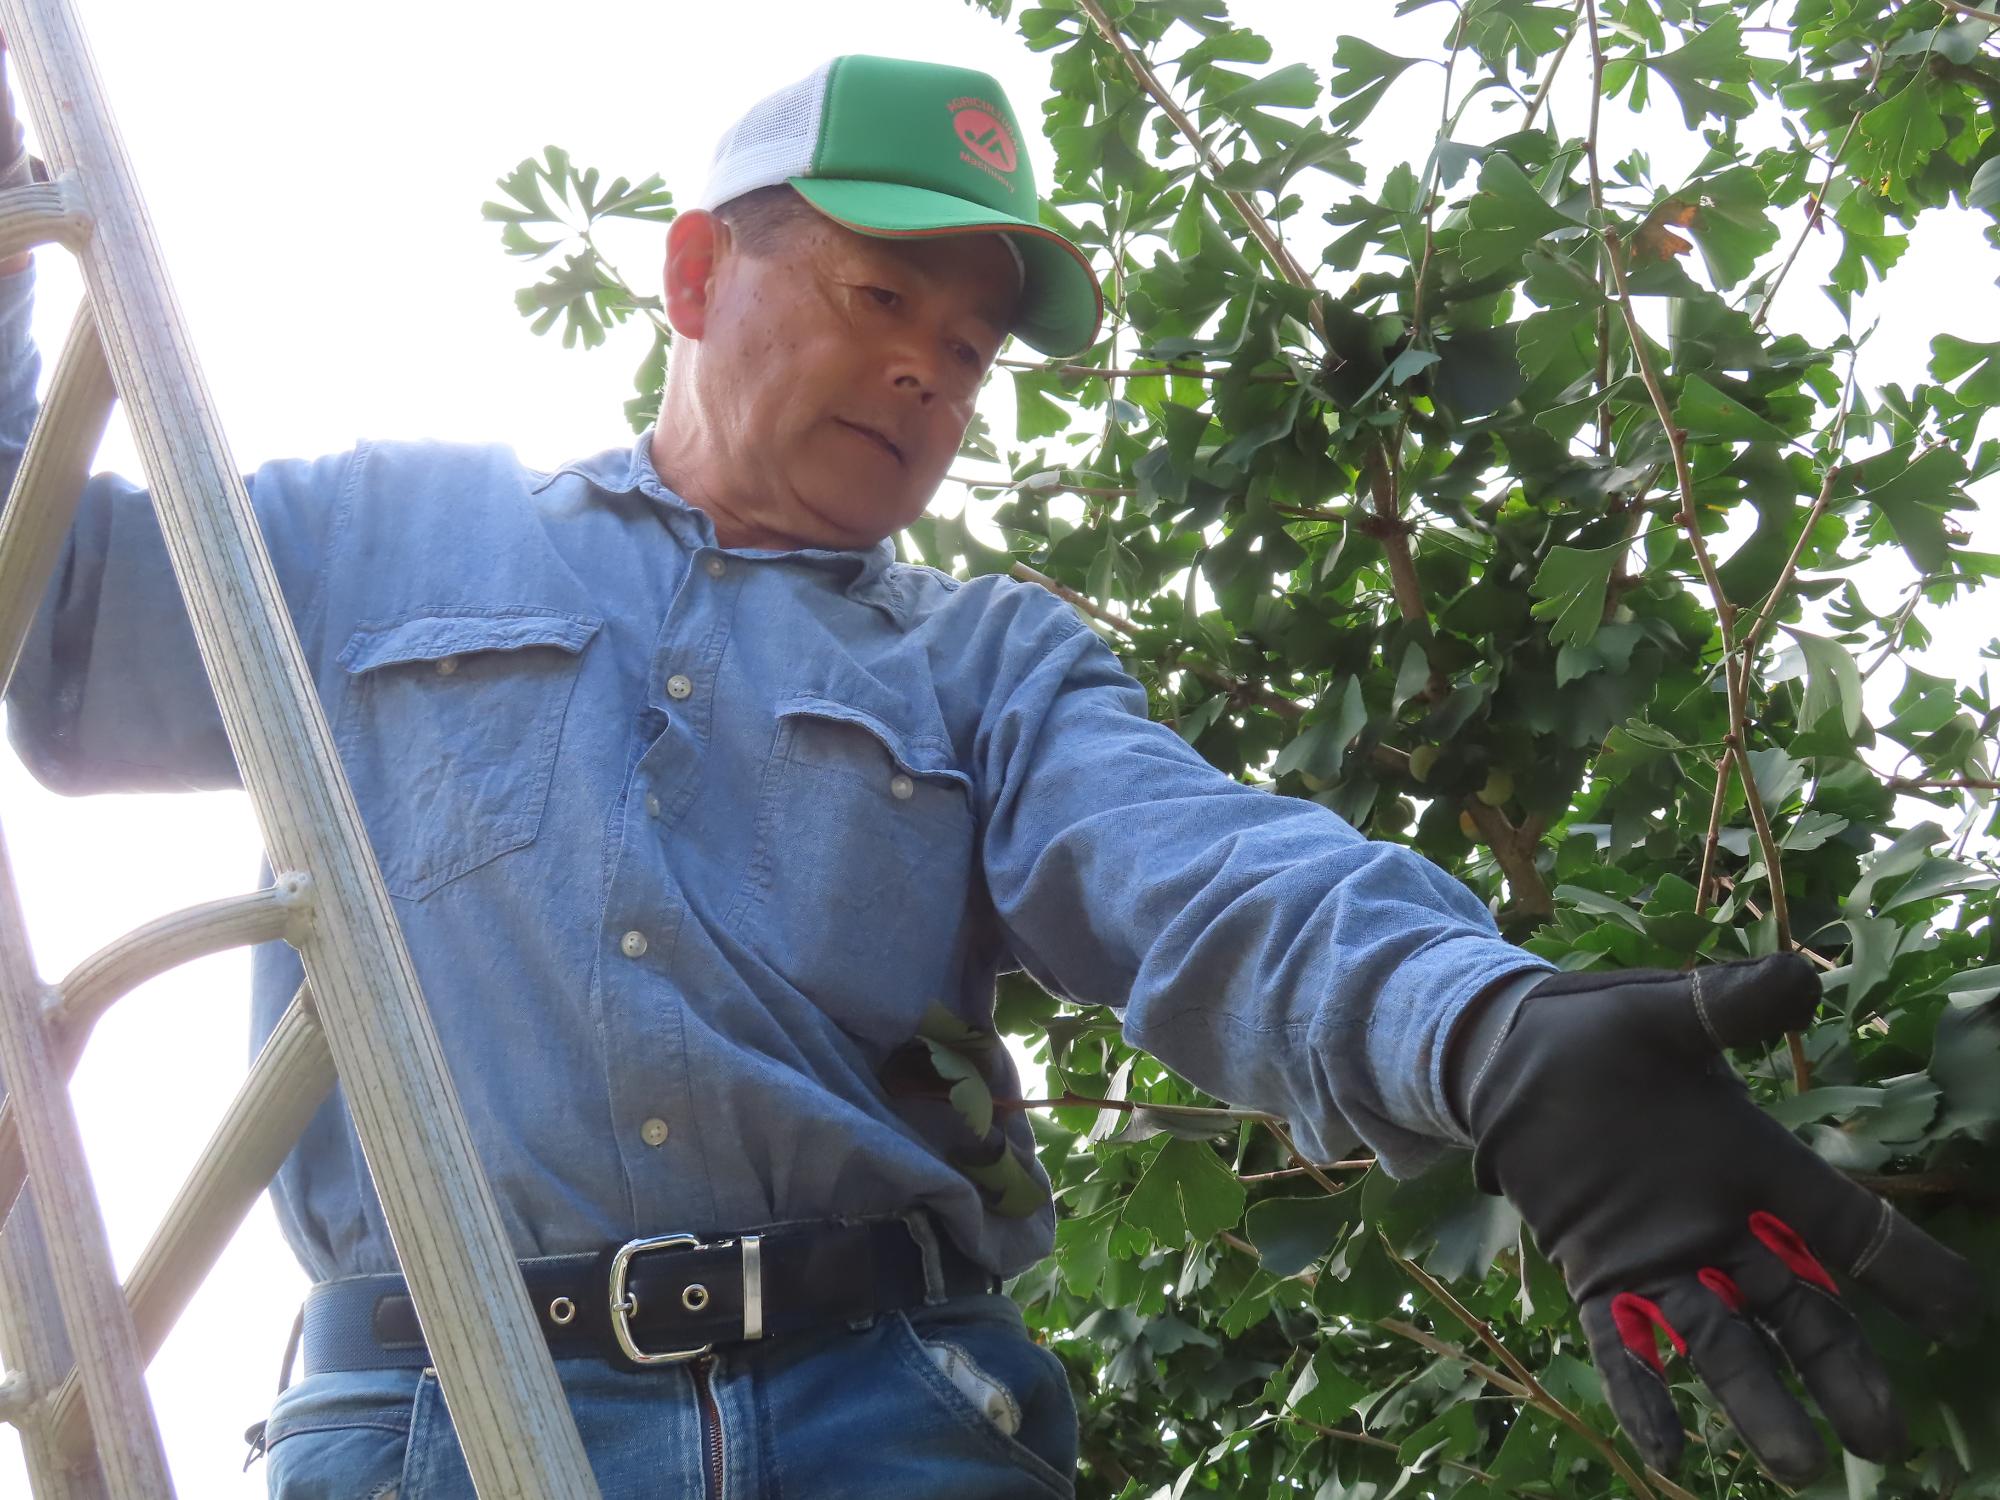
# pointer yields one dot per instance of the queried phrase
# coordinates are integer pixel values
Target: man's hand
(1676, 1208)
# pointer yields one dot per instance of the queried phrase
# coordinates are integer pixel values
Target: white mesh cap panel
(774, 141)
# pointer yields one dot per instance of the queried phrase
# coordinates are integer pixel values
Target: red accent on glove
(1783, 1241)
(1636, 1318)
(1720, 1283)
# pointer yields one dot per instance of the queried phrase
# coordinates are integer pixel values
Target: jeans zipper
(711, 1426)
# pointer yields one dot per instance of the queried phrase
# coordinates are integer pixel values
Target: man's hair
(763, 219)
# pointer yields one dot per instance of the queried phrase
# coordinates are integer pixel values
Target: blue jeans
(951, 1400)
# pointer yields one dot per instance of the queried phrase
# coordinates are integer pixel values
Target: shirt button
(633, 945)
(715, 567)
(447, 665)
(901, 787)
(678, 686)
(652, 805)
(654, 1132)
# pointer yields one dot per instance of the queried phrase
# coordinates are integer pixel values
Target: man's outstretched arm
(1272, 956)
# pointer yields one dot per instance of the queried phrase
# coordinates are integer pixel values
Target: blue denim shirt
(691, 837)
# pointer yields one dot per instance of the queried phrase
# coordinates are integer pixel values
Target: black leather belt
(664, 1299)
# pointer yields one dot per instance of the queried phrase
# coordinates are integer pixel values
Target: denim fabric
(849, 1414)
(685, 840)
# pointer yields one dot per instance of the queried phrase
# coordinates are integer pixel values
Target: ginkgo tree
(1498, 502)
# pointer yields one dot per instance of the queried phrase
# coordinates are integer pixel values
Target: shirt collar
(870, 572)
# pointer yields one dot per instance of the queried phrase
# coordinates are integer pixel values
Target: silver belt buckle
(625, 1304)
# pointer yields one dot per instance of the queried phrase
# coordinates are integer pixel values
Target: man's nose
(914, 371)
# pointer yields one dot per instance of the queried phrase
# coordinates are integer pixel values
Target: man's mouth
(879, 438)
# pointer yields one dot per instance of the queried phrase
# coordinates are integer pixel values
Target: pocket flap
(434, 634)
(918, 755)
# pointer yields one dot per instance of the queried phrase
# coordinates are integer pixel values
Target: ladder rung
(286, 1085)
(44, 213)
(50, 480)
(118, 968)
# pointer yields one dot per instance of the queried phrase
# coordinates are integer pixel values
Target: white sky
(315, 175)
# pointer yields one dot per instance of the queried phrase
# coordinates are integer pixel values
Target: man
(694, 801)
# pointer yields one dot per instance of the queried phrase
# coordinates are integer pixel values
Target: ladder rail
(49, 482)
(31, 1329)
(291, 1078)
(493, 1365)
(94, 1314)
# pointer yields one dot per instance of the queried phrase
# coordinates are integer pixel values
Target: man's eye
(883, 295)
(967, 355)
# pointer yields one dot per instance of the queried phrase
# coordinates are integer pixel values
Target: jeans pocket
(981, 1369)
(340, 1436)
(448, 727)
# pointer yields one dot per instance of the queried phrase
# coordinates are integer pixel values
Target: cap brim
(1062, 306)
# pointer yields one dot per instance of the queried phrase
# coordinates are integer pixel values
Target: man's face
(834, 375)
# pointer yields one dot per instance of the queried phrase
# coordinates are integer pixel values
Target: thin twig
(1768, 611)
(1431, 170)
(1725, 612)
(1538, 1394)
(1261, 229)
(1238, 690)
(1597, 211)
(1082, 601)
(1948, 783)
(1101, 491)
(1535, 104)
(1713, 842)
(1133, 1106)
(1358, 1163)
(1277, 1128)
(1959, 9)
(1818, 200)
(1457, 1355)
(1140, 372)
(1369, 1440)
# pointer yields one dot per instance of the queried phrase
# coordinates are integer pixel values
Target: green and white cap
(907, 149)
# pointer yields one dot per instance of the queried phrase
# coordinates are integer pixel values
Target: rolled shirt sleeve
(1257, 944)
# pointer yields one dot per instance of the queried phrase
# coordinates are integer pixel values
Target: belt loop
(924, 1232)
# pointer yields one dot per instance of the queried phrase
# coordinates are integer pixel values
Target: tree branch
(1537, 1393)
(1818, 200)
(1735, 678)
(1369, 1440)
(1514, 851)
(1957, 8)
(1417, 331)
(1542, 93)
(1455, 1354)
(1261, 228)
(1394, 538)
(1597, 210)
(1768, 611)
(1141, 372)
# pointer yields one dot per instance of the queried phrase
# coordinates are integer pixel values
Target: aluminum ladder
(75, 1343)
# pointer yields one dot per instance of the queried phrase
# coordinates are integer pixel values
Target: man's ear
(694, 244)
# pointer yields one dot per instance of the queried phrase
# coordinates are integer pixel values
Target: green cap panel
(948, 130)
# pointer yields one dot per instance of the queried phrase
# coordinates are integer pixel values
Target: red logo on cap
(985, 135)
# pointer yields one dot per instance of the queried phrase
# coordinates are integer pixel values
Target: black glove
(1604, 1108)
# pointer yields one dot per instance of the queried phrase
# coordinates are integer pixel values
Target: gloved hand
(1604, 1108)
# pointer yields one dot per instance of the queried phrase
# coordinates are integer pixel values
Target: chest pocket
(862, 863)
(448, 730)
